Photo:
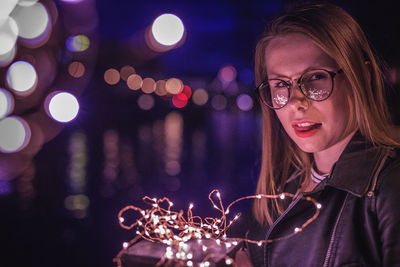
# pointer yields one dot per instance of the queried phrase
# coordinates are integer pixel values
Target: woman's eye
(317, 76)
(279, 84)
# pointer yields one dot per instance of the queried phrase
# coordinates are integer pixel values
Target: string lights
(161, 224)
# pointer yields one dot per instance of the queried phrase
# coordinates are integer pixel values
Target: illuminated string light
(161, 224)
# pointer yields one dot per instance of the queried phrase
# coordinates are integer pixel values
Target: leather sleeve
(388, 213)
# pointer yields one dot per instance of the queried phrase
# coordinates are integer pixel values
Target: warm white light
(21, 76)
(8, 57)
(31, 20)
(8, 34)
(14, 134)
(167, 29)
(6, 103)
(63, 107)
(27, 2)
(6, 6)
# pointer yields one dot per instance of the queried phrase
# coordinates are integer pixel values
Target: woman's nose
(297, 98)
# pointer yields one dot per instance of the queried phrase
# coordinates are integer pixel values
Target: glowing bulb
(14, 134)
(63, 106)
(191, 206)
(21, 77)
(259, 244)
(125, 244)
(297, 229)
(228, 261)
(282, 196)
(121, 220)
(32, 20)
(6, 7)
(8, 34)
(6, 103)
(167, 29)
(319, 206)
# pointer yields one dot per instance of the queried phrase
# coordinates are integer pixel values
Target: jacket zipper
(294, 202)
(329, 251)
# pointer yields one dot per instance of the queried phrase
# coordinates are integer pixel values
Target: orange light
(112, 76)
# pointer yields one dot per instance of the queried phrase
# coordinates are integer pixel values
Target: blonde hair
(340, 37)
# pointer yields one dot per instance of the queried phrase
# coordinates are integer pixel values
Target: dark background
(219, 148)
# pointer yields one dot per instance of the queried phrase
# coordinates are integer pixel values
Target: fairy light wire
(161, 224)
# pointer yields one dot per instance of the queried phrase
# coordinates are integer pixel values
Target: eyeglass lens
(315, 85)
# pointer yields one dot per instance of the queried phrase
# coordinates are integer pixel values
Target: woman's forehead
(292, 53)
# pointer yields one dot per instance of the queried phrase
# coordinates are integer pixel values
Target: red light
(187, 91)
(180, 100)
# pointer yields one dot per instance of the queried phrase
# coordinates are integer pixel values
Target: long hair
(340, 37)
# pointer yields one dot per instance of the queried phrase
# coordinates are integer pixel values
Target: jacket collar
(355, 167)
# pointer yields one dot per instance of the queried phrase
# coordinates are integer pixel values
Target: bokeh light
(22, 77)
(200, 97)
(112, 76)
(15, 134)
(7, 58)
(179, 100)
(145, 102)
(76, 69)
(174, 86)
(244, 102)
(187, 91)
(77, 43)
(62, 106)
(227, 74)
(160, 88)
(219, 102)
(148, 86)
(6, 103)
(127, 71)
(27, 2)
(6, 6)
(167, 29)
(134, 82)
(8, 34)
(32, 20)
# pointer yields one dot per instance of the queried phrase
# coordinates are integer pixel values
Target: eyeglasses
(316, 85)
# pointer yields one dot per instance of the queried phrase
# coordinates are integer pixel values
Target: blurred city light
(22, 77)
(62, 106)
(32, 20)
(167, 29)
(134, 82)
(112, 76)
(200, 97)
(6, 6)
(77, 43)
(180, 100)
(76, 69)
(244, 102)
(174, 86)
(126, 71)
(148, 86)
(6, 103)
(8, 57)
(160, 88)
(8, 34)
(15, 134)
(227, 74)
(146, 102)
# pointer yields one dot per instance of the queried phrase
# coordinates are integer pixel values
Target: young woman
(326, 134)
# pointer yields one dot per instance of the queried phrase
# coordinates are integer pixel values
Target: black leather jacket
(359, 223)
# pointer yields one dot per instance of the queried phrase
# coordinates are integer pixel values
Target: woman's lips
(306, 128)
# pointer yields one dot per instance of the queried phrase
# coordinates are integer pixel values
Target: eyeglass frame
(290, 83)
